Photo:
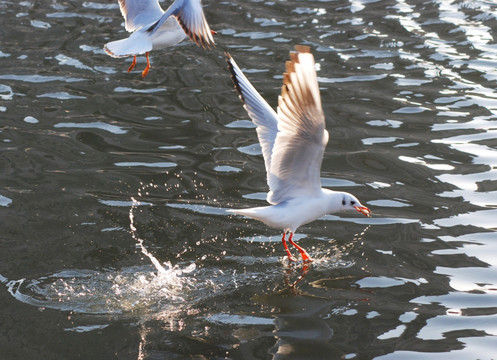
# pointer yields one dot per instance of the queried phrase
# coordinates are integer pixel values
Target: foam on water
(133, 290)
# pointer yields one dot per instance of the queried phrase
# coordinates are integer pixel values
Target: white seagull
(153, 28)
(293, 142)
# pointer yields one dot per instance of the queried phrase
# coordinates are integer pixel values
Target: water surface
(115, 242)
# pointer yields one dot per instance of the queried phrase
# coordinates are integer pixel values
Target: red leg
(305, 257)
(132, 64)
(145, 72)
(290, 257)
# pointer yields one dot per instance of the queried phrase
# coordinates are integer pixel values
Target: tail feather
(138, 43)
(238, 211)
(269, 215)
(253, 213)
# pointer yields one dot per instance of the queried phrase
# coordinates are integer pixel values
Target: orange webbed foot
(147, 68)
(305, 257)
(132, 64)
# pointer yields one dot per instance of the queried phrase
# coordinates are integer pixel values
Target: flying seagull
(153, 28)
(293, 140)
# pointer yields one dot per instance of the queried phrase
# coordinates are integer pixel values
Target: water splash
(132, 290)
(136, 290)
(139, 241)
(158, 289)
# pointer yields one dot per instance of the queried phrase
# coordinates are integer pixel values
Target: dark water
(103, 173)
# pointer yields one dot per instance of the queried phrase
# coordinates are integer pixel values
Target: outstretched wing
(138, 13)
(300, 142)
(190, 16)
(262, 115)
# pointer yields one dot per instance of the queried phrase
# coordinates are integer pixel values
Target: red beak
(363, 210)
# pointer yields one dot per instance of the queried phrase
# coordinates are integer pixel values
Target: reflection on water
(113, 268)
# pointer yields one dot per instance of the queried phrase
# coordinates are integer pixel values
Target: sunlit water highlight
(129, 291)
(108, 271)
(156, 288)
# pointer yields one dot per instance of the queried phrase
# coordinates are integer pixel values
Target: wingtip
(234, 77)
(302, 54)
(203, 39)
(192, 21)
(295, 56)
(300, 89)
(229, 60)
(290, 65)
(199, 33)
(286, 78)
(302, 48)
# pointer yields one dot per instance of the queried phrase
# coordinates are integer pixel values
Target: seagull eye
(343, 202)
(352, 202)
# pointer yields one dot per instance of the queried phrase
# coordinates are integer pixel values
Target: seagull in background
(293, 140)
(153, 28)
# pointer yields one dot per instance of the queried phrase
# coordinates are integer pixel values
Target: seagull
(153, 29)
(293, 140)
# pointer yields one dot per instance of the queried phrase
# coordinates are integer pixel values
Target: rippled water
(115, 242)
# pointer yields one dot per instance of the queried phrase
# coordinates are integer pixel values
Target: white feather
(136, 44)
(293, 142)
(155, 29)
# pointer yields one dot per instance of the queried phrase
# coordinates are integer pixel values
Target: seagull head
(350, 202)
